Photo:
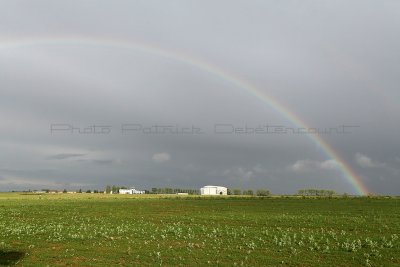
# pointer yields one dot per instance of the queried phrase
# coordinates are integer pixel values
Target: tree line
(249, 192)
(235, 191)
(168, 190)
(114, 189)
(316, 192)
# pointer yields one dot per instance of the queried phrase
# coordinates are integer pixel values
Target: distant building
(213, 190)
(130, 191)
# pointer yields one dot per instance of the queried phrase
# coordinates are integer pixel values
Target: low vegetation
(137, 230)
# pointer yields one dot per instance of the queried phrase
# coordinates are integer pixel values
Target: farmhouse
(130, 191)
(213, 190)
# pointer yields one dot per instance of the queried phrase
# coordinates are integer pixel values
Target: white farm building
(130, 191)
(213, 190)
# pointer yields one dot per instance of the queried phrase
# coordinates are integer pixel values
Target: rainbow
(329, 152)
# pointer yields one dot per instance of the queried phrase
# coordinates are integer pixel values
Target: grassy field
(109, 230)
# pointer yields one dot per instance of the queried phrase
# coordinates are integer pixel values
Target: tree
(248, 192)
(154, 190)
(65, 191)
(237, 191)
(88, 191)
(108, 189)
(263, 192)
(80, 191)
(113, 188)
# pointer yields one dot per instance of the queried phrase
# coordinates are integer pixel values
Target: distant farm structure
(213, 190)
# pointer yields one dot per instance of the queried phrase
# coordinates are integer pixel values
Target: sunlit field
(152, 230)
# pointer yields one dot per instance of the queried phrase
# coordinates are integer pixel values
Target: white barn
(130, 191)
(213, 190)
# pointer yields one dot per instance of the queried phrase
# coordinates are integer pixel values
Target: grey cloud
(161, 157)
(366, 162)
(312, 165)
(65, 156)
(103, 161)
(238, 173)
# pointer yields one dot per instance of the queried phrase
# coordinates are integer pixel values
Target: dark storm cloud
(331, 63)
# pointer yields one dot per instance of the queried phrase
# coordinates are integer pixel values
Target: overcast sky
(331, 63)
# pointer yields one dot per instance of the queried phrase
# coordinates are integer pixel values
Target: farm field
(154, 230)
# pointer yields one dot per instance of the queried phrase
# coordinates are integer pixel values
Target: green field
(109, 230)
